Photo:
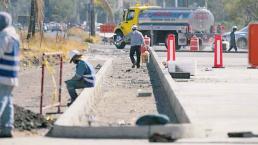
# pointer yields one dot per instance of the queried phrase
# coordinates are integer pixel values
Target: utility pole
(92, 19)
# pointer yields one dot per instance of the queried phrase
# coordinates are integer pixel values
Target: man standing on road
(233, 39)
(137, 41)
(9, 67)
(84, 76)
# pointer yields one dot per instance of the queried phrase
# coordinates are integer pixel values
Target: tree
(61, 10)
(36, 17)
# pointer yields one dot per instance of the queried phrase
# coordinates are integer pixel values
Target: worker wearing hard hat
(233, 39)
(84, 76)
(137, 41)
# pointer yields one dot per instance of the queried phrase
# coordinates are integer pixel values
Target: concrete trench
(72, 123)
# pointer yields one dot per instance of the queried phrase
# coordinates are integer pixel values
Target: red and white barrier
(194, 43)
(171, 50)
(218, 57)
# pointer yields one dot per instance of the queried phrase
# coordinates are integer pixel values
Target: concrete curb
(170, 86)
(176, 131)
(83, 104)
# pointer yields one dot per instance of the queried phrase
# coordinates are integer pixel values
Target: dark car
(241, 37)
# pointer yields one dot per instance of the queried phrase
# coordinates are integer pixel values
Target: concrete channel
(72, 123)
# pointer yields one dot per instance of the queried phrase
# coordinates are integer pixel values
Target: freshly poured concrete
(219, 100)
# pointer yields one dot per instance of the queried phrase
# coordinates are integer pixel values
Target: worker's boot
(6, 132)
(133, 66)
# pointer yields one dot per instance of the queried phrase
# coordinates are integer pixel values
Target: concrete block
(187, 66)
(144, 93)
(171, 66)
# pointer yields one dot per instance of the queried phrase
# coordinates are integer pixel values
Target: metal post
(60, 83)
(42, 83)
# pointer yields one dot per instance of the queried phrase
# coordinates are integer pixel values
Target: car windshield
(245, 29)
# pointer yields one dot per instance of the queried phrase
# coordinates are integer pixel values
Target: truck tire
(118, 40)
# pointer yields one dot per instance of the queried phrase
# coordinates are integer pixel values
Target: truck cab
(130, 18)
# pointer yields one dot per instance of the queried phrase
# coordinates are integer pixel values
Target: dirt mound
(28, 120)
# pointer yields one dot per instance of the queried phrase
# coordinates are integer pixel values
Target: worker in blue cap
(84, 75)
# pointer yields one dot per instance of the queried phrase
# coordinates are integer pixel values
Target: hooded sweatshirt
(9, 51)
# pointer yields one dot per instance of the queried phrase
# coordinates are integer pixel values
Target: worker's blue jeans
(72, 85)
(6, 108)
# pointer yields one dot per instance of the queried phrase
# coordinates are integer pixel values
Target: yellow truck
(157, 23)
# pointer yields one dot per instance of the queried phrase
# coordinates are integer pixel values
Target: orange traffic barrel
(147, 40)
(194, 43)
(253, 45)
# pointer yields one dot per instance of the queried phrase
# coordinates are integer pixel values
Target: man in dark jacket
(84, 76)
(233, 39)
(137, 41)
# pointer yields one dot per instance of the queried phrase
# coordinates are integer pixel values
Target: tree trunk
(92, 19)
(32, 24)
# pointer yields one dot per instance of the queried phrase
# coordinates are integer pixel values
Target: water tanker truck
(157, 23)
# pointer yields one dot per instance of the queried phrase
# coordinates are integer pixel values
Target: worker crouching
(84, 76)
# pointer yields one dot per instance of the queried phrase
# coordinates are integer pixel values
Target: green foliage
(61, 10)
(241, 12)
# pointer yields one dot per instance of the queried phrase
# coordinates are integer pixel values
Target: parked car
(241, 37)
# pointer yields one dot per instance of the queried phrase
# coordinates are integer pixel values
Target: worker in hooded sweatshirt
(9, 67)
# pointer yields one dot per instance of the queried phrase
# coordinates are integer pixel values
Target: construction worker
(84, 76)
(233, 39)
(9, 67)
(137, 41)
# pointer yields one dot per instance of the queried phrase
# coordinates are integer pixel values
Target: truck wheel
(119, 40)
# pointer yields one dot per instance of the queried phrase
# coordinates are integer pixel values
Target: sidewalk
(220, 100)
